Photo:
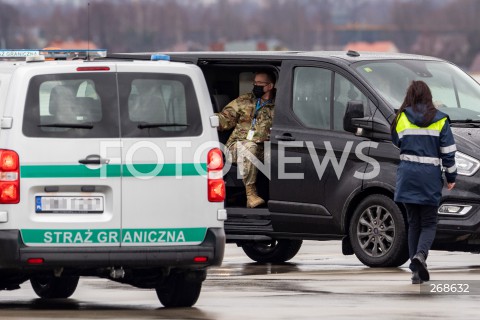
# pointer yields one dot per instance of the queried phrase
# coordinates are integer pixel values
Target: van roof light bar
(53, 54)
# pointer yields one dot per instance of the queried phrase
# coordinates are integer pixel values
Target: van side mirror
(354, 111)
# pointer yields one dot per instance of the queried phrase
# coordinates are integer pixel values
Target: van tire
(275, 251)
(178, 290)
(50, 287)
(378, 232)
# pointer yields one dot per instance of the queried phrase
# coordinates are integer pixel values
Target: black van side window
(345, 91)
(311, 96)
(158, 105)
(71, 106)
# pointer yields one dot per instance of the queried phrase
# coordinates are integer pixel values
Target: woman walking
(426, 144)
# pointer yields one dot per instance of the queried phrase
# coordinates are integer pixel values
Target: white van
(108, 169)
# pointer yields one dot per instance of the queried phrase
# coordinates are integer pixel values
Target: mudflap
(347, 249)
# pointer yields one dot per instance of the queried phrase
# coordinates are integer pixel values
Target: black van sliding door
(314, 160)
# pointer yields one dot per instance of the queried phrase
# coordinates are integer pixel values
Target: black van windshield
(453, 91)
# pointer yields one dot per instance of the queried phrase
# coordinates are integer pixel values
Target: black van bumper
(15, 255)
(460, 232)
(457, 225)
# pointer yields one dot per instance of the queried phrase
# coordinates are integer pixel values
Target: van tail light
(200, 259)
(9, 177)
(35, 260)
(216, 184)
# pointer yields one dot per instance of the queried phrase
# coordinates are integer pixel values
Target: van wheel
(275, 251)
(50, 287)
(378, 232)
(180, 290)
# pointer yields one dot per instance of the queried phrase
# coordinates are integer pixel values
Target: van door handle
(94, 159)
(285, 137)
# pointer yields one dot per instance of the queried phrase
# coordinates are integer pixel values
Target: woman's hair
(418, 93)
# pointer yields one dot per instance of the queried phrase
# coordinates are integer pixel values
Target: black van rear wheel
(378, 232)
(274, 251)
(50, 287)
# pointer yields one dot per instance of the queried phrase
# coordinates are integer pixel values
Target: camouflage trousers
(243, 153)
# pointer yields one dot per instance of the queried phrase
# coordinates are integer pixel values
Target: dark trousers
(422, 226)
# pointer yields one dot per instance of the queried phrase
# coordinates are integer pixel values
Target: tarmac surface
(319, 283)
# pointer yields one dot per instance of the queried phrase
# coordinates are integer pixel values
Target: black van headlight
(466, 165)
(454, 209)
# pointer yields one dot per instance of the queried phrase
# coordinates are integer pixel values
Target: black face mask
(258, 91)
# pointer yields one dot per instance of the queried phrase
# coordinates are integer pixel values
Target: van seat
(147, 107)
(219, 101)
(65, 107)
(90, 107)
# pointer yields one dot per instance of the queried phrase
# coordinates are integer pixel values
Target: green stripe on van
(67, 171)
(112, 236)
(112, 170)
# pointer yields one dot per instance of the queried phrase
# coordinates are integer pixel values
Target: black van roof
(347, 56)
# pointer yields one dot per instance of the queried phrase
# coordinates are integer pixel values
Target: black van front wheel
(274, 251)
(378, 232)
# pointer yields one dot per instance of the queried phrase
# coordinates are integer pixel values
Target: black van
(333, 165)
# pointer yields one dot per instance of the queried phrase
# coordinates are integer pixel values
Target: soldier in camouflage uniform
(251, 115)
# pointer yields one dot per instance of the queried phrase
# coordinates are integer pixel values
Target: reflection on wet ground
(252, 269)
(249, 269)
(40, 304)
(319, 283)
(75, 309)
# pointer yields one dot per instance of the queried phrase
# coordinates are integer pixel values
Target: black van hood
(467, 140)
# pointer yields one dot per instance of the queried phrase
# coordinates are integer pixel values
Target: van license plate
(68, 204)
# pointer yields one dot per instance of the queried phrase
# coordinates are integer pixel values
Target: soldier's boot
(253, 200)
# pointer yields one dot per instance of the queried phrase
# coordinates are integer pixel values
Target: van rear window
(86, 106)
(158, 105)
(72, 106)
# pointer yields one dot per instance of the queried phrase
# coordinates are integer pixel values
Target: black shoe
(416, 278)
(418, 261)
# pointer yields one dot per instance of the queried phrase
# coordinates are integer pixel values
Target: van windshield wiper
(466, 122)
(67, 125)
(158, 125)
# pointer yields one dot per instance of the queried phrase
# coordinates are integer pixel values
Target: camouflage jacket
(239, 113)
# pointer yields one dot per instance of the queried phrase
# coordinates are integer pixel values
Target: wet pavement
(319, 283)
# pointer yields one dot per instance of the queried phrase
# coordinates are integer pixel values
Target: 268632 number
(449, 288)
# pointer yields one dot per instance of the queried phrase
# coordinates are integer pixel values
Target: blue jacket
(423, 152)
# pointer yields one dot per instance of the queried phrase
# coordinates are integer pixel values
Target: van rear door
(164, 188)
(70, 187)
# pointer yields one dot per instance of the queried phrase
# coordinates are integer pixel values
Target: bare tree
(411, 18)
(461, 19)
(448, 29)
(9, 19)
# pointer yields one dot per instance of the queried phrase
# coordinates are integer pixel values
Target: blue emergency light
(159, 57)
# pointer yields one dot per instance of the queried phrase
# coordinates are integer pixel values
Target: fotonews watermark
(146, 160)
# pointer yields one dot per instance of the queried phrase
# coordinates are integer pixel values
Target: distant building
(187, 46)
(80, 44)
(379, 46)
(247, 45)
(453, 47)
